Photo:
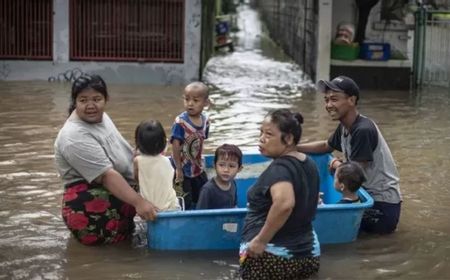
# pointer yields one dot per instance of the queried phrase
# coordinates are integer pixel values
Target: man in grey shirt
(360, 140)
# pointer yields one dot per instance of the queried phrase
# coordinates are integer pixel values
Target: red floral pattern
(77, 221)
(95, 216)
(127, 210)
(89, 239)
(97, 205)
(112, 225)
(69, 196)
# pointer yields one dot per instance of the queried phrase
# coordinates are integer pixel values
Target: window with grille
(26, 29)
(127, 30)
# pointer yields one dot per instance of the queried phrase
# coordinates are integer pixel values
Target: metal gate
(26, 29)
(431, 64)
(127, 30)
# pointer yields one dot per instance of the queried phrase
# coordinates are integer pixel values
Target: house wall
(376, 30)
(112, 72)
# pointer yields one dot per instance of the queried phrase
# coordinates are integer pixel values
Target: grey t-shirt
(85, 151)
(364, 142)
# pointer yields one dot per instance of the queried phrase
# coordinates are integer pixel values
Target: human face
(270, 143)
(338, 104)
(226, 169)
(194, 102)
(90, 105)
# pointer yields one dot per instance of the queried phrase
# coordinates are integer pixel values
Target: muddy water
(34, 243)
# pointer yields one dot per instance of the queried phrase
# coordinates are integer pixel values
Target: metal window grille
(26, 29)
(127, 30)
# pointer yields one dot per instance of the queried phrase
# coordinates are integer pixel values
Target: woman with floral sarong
(95, 164)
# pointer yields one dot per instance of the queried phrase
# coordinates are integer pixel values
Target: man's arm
(318, 147)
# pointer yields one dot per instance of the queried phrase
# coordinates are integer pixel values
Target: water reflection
(34, 243)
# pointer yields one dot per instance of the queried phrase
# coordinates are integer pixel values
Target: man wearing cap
(360, 140)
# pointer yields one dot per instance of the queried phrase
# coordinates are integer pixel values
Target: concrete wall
(113, 72)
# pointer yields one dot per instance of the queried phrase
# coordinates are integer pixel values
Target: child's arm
(136, 170)
(176, 154)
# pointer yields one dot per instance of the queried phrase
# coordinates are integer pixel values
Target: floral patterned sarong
(94, 215)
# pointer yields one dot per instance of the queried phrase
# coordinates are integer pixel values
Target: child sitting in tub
(153, 170)
(220, 191)
(349, 176)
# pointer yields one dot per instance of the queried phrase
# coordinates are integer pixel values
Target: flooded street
(35, 244)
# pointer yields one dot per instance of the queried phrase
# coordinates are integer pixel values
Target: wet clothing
(381, 218)
(83, 152)
(272, 267)
(156, 181)
(296, 239)
(94, 215)
(213, 197)
(191, 138)
(192, 188)
(364, 143)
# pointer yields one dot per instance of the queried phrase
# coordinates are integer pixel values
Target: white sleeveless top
(156, 181)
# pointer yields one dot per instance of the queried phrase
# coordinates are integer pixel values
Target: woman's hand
(146, 210)
(256, 247)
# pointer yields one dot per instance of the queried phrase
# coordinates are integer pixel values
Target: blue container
(221, 228)
(375, 51)
(222, 28)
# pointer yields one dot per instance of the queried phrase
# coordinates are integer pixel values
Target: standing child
(348, 178)
(153, 170)
(188, 134)
(220, 191)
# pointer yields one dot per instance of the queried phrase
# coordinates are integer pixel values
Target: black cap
(340, 84)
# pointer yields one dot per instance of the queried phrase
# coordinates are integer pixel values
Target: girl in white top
(153, 170)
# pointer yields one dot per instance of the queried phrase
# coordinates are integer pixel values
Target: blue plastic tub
(221, 228)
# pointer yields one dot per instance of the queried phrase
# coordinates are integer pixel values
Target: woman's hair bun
(298, 117)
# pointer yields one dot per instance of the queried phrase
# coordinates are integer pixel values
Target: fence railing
(432, 48)
(127, 30)
(26, 29)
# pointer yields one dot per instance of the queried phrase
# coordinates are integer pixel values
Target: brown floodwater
(35, 244)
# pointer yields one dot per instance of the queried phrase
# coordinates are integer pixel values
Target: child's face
(194, 102)
(227, 168)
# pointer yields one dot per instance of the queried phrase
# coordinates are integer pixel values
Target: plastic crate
(375, 51)
(344, 51)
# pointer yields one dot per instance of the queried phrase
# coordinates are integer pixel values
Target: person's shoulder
(363, 124)
(72, 129)
(182, 117)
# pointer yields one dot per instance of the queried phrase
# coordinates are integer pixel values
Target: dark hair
(85, 82)
(288, 123)
(150, 138)
(228, 151)
(351, 175)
